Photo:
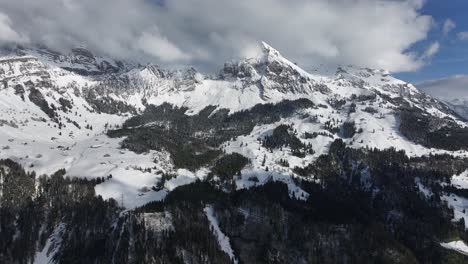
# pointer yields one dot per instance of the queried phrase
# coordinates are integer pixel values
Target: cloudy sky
(416, 39)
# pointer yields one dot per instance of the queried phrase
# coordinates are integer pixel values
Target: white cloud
(463, 35)
(7, 34)
(431, 51)
(374, 33)
(449, 25)
(160, 47)
(121, 28)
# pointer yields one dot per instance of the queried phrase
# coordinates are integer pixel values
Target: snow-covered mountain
(137, 133)
(55, 110)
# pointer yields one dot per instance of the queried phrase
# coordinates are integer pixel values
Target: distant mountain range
(452, 91)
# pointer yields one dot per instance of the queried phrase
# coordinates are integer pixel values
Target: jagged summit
(269, 50)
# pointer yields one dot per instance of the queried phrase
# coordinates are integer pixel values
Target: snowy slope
(458, 246)
(223, 240)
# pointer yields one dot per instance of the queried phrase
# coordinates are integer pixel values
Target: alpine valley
(107, 161)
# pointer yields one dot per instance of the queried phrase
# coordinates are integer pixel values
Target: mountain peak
(269, 50)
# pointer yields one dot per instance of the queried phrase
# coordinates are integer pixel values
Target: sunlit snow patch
(458, 246)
